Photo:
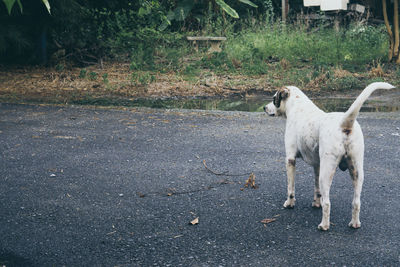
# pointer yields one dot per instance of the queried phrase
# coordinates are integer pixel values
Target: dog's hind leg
(357, 175)
(327, 170)
(290, 170)
(317, 194)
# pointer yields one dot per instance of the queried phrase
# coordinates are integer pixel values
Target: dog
(324, 141)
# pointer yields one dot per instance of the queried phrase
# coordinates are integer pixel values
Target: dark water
(253, 104)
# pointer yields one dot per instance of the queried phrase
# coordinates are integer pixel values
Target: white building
(327, 5)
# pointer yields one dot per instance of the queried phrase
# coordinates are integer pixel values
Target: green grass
(284, 54)
(351, 48)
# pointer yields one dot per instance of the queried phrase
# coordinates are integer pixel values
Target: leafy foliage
(10, 3)
(150, 35)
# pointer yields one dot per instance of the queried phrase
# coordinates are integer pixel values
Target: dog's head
(278, 105)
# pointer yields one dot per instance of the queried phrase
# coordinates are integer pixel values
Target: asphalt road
(108, 187)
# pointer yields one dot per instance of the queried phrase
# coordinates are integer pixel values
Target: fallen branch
(213, 172)
(173, 191)
(223, 173)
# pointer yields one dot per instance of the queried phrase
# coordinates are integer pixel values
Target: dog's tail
(352, 113)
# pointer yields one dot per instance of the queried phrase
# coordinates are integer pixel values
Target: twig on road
(223, 173)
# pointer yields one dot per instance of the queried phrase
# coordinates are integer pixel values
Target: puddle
(252, 104)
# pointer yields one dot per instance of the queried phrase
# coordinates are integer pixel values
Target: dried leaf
(171, 191)
(266, 221)
(251, 181)
(195, 221)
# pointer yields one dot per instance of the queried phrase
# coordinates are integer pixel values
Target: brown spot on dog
(353, 172)
(347, 131)
(292, 162)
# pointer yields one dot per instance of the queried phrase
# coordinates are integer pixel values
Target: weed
(255, 68)
(142, 78)
(284, 64)
(172, 58)
(93, 75)
(134, 66)
(105, 78)
(375, 79)
(134, 78)
(60, 67)
(217, 61)
(191, 71)
(377, 70)
(346, 83)
(82, 73)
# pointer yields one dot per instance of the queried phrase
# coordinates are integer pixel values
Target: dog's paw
(289, 204)
(355, 224)
(323, 227)
(316, 204)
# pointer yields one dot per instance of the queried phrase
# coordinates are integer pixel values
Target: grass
(262, 59)
(351, 48)
(284, 54)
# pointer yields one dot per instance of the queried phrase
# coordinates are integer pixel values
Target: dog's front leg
(290, 170)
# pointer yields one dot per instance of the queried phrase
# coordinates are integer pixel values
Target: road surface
(82, 186)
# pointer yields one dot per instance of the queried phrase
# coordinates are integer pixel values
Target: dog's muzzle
(270, 109)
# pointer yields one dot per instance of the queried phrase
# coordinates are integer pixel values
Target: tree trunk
(285, 9)
(389, 30)
(396, 30)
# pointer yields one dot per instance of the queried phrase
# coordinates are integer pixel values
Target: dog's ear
(282, 94)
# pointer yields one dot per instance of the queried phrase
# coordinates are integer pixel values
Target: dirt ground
(116, 80)
(66, 84)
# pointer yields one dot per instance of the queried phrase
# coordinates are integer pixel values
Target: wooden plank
(205, 38)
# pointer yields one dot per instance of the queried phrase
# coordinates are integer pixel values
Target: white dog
(323, 140)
